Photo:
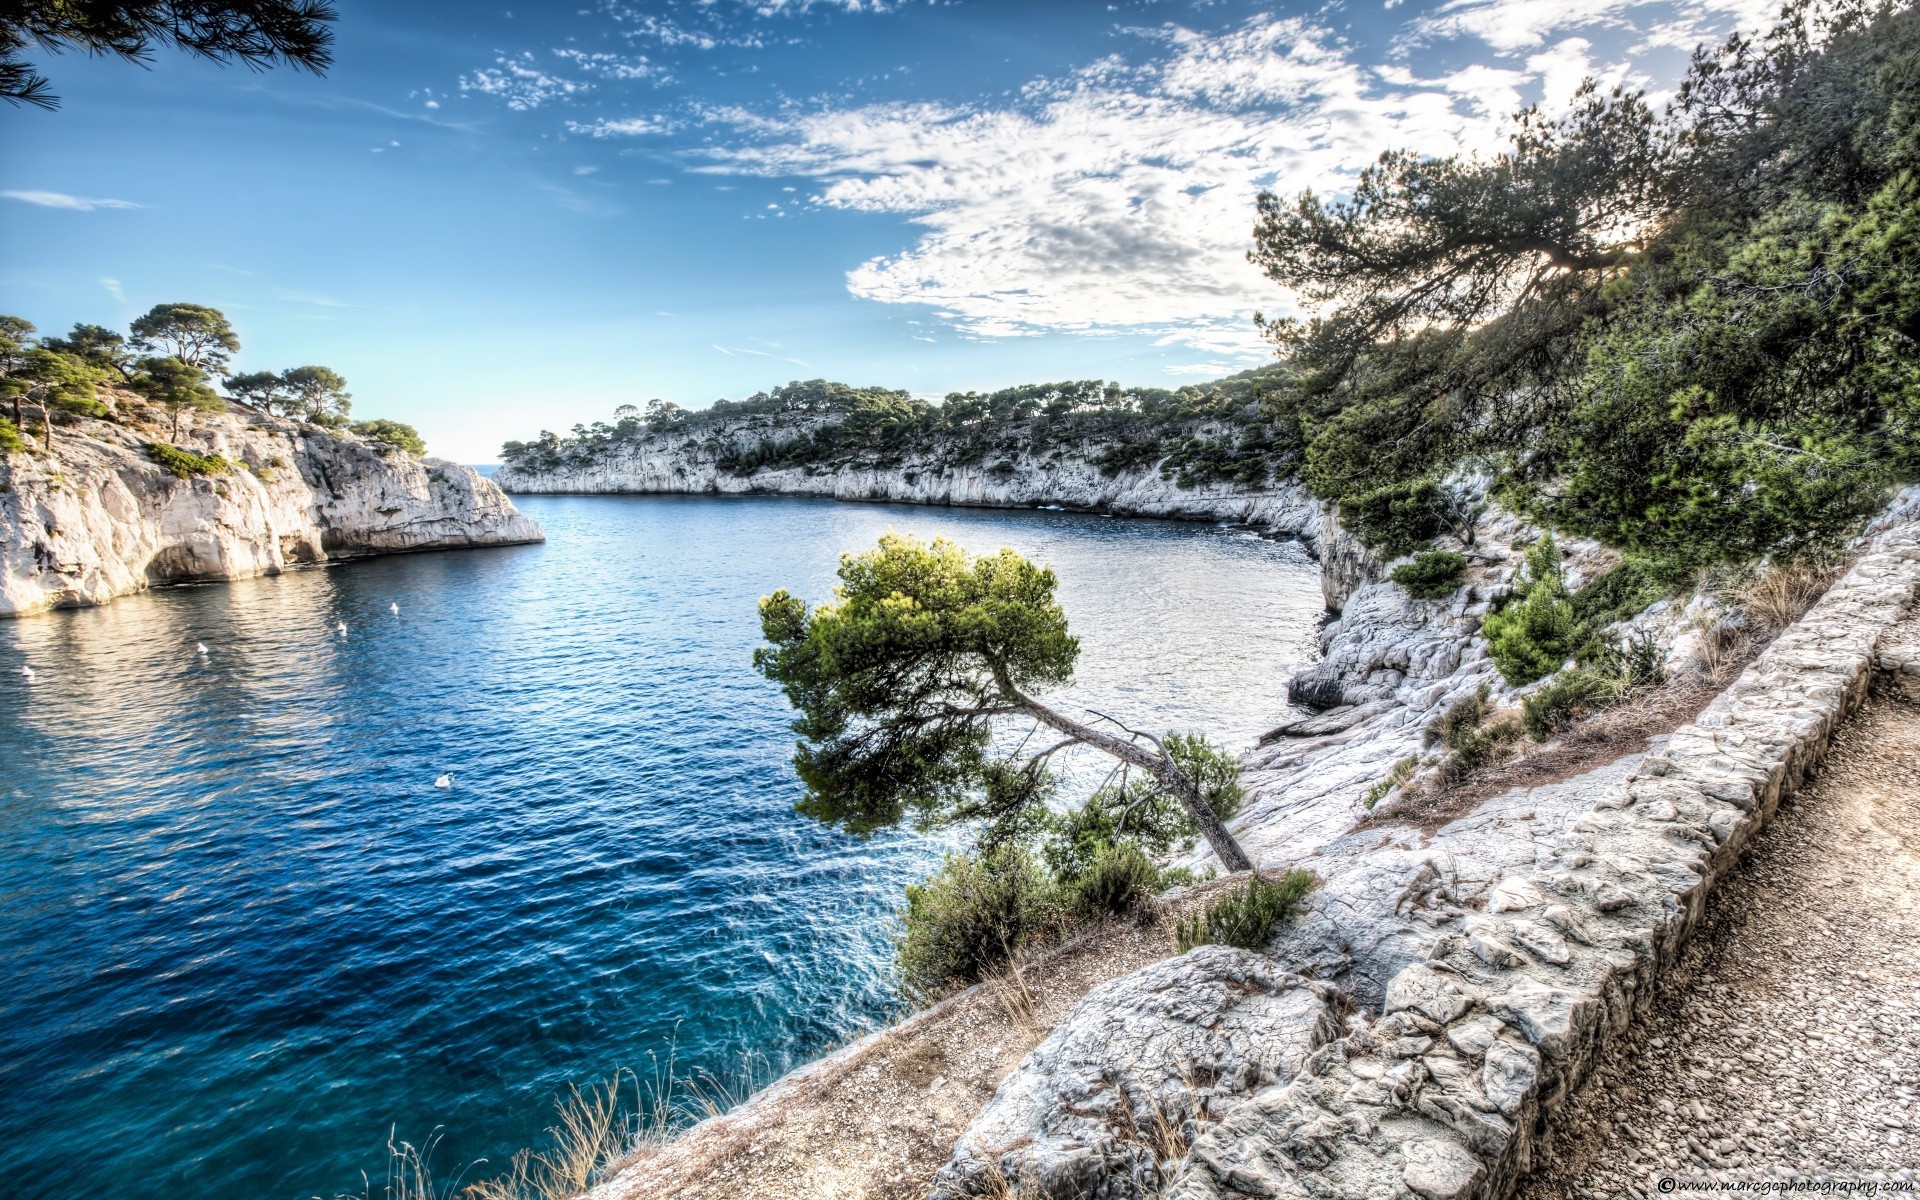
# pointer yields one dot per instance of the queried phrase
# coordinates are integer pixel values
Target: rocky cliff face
(98, 518)
(673, 461)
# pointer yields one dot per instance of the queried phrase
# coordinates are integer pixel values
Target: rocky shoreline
(1449, 987)
(98, 518)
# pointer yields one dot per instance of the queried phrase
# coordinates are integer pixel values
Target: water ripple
(246, 933)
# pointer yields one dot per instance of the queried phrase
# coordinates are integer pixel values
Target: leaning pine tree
(901, 678)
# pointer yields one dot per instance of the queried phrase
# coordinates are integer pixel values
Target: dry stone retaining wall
(1443, 1096)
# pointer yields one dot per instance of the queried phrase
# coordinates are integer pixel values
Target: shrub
(1565, 699)
(1245, 916)
(185, 464)
(1432, 575)
(973, 915)
(1141, 811)
(10, 439)
(1398, 774)
(1121, 879)
(1470, 741)
(1396, 519)
(1612, 675)
(390, 436)
(1536, 631)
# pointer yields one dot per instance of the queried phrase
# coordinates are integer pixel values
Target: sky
(500, 219)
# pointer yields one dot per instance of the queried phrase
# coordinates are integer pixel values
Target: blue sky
(496, 219)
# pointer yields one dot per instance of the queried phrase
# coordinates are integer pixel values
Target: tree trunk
(1160, 766)
(175, 435)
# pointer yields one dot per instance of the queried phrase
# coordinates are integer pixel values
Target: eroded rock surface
(98, 518)
(1102, 1104)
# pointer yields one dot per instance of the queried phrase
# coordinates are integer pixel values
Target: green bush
(1432, 575)
(1141, 811)
(1536, 631)
(1612, 674)
(10, 439)
(973, 915)
(1398, 774)
(185, 464)
(1470, 740)
(1245, 916)
(1566, 698)
(1120, 880)
(391, 436)
(1396, 519)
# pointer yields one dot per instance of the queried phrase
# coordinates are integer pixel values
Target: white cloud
(612, 66)
(1120, 198)
(73, 203)
(113, 288)
(620, 127)
(1514, 25)
(520, 83)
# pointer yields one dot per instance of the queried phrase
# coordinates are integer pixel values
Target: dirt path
(1788, 1042)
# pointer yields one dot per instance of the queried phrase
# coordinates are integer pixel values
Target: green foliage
(194, 334)
(1396, 519)
(259, 33)
(392, 436)
(1398, 774)
(1246, 916)
(96, 345)
(185, 464)
(177, 386)
(1470, 739)
(1218, 432)
(1614, 675)
(263, 390)
(1536, 630)
(1688, 334)
(1432, 575)
(1119, 880)
(10, 440)
(972, 916)
(317, 394)
(897, 677)
(58, 384)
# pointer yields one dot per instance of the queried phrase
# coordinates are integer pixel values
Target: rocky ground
(1788, 1044)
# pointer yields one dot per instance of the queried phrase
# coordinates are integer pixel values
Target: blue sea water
(245, 936)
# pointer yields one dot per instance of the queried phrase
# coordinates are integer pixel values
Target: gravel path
(1787, 1045)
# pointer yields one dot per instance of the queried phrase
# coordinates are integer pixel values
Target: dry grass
(876, 1119)
(1783, 593)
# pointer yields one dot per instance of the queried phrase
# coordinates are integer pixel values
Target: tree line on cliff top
(1689, 333)
(168, 358)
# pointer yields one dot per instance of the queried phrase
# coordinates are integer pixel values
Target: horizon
(517, 220)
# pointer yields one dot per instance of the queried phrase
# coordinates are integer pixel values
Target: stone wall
(1480, 967)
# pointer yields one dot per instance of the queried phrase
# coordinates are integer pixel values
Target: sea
(247, 941)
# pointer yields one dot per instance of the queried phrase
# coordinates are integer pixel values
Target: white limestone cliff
(98, 518)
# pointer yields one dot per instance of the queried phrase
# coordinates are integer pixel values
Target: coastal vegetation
(97, 372)
(917, 690)
(1245, 916)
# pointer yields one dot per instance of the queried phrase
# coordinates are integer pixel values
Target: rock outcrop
(673, 461)
(1498, 953)
(98, 518)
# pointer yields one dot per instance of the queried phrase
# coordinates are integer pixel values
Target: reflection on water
(245, 932)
